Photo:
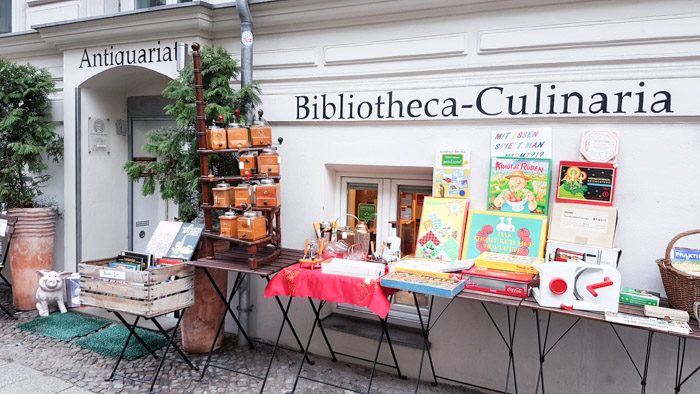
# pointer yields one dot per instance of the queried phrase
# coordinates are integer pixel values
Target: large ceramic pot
(31, 249)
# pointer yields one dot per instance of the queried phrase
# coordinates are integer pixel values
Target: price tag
(112, 274)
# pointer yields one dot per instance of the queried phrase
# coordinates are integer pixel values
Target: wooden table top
(237, 261)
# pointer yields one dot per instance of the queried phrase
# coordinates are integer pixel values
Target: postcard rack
(260, 251)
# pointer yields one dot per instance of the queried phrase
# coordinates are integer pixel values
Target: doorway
(145, 113)
(116, 108)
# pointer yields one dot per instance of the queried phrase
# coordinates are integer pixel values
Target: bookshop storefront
(365, 103)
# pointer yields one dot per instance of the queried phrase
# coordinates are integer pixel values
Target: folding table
(295, 281)
(169, 337)
(237, 262)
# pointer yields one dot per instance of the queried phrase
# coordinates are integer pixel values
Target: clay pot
(31, 249)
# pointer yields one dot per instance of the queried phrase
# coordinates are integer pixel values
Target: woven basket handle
(674, 240)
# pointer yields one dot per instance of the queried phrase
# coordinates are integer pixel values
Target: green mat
(64, 326)
(110, 341)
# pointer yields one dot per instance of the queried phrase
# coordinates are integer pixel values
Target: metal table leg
(542, 345)
(317, 313)
(236, 285)
(680, 358)
(132, 331)
(308, 344)
(508, 342)
(121, 355)
(171, 343)
(643, 374)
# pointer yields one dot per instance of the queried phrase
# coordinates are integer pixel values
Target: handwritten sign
(524, 143)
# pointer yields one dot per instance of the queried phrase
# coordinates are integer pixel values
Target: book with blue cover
(424, 284)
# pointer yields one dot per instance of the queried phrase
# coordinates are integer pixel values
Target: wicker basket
(682, 289)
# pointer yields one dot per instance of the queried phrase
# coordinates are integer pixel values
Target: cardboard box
(583, 224)
(630, 296)
(566, 251)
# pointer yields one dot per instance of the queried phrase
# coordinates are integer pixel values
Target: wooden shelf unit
(258, 252)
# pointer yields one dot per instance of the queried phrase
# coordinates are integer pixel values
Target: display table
(238, 264)
(295, 281)
(513, 305)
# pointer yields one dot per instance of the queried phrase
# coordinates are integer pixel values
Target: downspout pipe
(244, 306)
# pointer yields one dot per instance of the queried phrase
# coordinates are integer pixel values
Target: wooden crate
(145, 293)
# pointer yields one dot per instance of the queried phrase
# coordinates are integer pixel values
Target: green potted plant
(27, 140)
(176, 169)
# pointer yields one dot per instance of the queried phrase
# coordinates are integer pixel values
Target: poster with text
(522, 143)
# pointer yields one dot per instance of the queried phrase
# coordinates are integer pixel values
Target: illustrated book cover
(586, 183)
(162, 238)
(502, 232)
(519, 185)
(185, 242)
(451, 173)
(424, 284)
(441, 228)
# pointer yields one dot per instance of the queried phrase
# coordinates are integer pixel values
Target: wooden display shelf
(258, 242)
(260, 209)
(237, 178)
(222, 151)
(262, 256)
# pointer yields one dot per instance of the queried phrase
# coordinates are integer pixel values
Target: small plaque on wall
(98, 135)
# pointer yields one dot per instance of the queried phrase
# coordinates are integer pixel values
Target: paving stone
(79, 371)
(36, 384)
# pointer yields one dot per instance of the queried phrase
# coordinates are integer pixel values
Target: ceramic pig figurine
(50, 290)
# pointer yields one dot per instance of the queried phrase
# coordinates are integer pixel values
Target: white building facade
(364, 93)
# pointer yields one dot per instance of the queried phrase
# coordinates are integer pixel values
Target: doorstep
(366, 328)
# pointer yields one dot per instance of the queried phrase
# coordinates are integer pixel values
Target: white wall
(595, 42)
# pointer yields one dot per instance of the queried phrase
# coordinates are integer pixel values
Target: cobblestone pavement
(51, 366)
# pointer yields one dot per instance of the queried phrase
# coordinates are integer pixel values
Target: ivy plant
(176, 169)
(28, 138)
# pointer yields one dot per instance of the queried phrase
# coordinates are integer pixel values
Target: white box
(583, 224)
(357, 269)
(593, 254)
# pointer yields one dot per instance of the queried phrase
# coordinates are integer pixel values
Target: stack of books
(504, 274)
(426, 276)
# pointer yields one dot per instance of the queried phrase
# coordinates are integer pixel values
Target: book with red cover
(586, 183)
(516, 284)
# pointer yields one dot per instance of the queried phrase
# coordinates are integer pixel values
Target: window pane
(410, 208)
(5, 16)
(362, 202)
(149, 3)
(404, 298)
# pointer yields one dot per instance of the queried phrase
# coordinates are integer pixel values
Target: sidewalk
(16, 378)
(31, 363)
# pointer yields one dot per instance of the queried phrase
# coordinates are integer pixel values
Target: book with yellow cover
(442, 228)
(509, 262)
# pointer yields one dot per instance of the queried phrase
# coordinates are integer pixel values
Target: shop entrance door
(147, 210)
(145, 114)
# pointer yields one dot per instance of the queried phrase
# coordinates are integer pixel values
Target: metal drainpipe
(244, 306)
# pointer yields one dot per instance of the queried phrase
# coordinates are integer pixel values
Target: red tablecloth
(295, 281)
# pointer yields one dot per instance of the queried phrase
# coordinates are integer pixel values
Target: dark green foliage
(176, 170)
(27, 136)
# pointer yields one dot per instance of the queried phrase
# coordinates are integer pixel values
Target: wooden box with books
(146, 293)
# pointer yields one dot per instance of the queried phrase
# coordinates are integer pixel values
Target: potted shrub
(27, 140)
(176, 170)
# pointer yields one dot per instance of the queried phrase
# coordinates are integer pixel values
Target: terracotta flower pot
(31, 249)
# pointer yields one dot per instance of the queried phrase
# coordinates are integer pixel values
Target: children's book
(509, 262)
(451, 173)
(428, 266)
(442, 228)
(586, 183)
(424, 284)
(185, 243)
(519, 185)
(163, 238)
(502, 232)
